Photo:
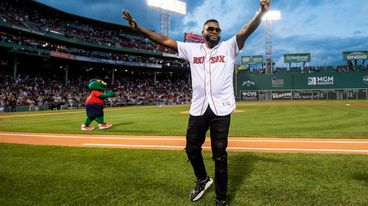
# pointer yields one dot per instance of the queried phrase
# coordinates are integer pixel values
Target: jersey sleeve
(233, 46)
(183, 50)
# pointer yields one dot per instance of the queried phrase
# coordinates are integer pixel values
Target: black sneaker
(199, 188)
(221, 203)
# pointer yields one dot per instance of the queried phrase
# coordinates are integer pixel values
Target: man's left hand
(265, 5)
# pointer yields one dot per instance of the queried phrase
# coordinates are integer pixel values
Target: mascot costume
(95, 105)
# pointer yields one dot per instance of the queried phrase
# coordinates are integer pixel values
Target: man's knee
(193, 151)
(219, 149)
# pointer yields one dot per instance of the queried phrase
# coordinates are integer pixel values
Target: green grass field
(44, 175)
(49, 175)
(302, 119)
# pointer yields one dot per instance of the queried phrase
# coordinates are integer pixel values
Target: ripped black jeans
(196, 135)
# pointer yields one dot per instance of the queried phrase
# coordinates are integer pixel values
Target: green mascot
(95, 105)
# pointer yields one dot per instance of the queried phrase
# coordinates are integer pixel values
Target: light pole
(267, 19)
(166, 6)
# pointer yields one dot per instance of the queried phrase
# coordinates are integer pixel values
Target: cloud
(324, 50)
(324, 28)
(334, 17)
(365, 7)
(358, 33)
(107, 10)
(231, 16)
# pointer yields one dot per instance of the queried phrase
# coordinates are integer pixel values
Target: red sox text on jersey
(214, 59)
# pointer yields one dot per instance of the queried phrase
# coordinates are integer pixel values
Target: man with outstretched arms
(212, 68)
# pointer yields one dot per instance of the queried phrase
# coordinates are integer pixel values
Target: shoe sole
(87, 129)
(104, 127)
(208, 184)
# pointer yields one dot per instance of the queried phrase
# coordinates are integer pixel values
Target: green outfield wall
(289, 86)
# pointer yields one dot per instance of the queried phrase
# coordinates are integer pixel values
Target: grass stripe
(44, 175)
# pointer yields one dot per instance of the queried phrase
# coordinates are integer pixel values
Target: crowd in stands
(36, 45)
(48, 90)
(55, 22)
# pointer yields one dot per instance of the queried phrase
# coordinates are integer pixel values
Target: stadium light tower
(268, 18)
(166, 6)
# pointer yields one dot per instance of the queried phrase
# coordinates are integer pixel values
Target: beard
(212, 42)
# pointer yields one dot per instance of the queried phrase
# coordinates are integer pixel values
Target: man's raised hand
(265, 5)
(126, 15)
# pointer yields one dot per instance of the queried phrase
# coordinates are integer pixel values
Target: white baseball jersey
(212, 73)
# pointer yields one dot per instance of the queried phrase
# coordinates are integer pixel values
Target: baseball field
(43, 168)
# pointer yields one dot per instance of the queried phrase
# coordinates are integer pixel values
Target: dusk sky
(324, 28)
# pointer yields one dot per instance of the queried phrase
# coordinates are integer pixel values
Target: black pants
(196, 135)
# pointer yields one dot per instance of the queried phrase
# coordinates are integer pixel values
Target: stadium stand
(40, 18)
(48, 56)
(46, 91)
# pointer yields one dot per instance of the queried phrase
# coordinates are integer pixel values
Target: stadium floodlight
(167, 5)
(170, 5)
(268, 18)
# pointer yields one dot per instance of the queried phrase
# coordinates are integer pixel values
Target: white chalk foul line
(92, 137)
(135, 146)
(229, 148)
(233, 139)
(298, 149)
(302, 141)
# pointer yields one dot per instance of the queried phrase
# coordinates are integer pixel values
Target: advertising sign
(355, 55)
(193, 37)
(258, 59)
(249, 95)
(294, 58)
